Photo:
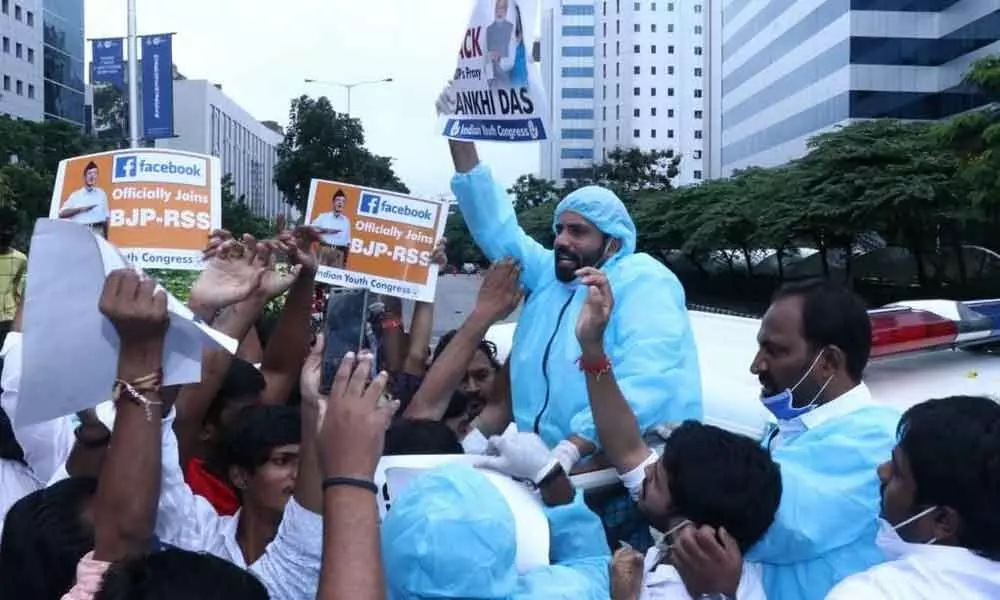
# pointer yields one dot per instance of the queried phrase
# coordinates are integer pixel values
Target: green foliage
(321, 143)
(237, 216)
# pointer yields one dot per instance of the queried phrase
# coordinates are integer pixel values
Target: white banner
(497, 85)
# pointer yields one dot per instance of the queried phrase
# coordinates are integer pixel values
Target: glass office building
(794, 68)
(63, 55)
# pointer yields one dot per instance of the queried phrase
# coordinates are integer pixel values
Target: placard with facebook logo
(376, 239)
(157, 206)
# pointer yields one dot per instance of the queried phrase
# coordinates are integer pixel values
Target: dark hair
(420, 436)
(10, 449)
(247, 441)
(90, 165)
(339, 194)
(44, 537)
(722, 479)
(953, 448)
(175, 573)
(833, 315)
(488, 348)
(243, 381)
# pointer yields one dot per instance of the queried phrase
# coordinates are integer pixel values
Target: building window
(618, 90)
(31, 91)
(697, 71)
(697, 8)
(636, 28)
(6, 83)
(618, 27)
(652, 133)
(31, 55)
(5, 6)
(652, 28)
(30, 19)
(670, 91)
(604, 135)
(670, 133)
(635, 112)
(578, 10)
(697, 50)
(697, 114)
(635, 91)
(618, 112)
(604, 50)
(652, 91)
(696, 153)
(17, 13)
(604, 70)
(652, 6)
(670, 49)
(697, 93)
(604, 11)
(20, 87)
(635, 49)
(697, 134)
(697, 174)
(670, 27)
(604, 92)
(670, 69)
(652, 49)
(652, 70)
(6, 45)
(604, 113)
(670, 7)
(19, 50)
(652, 112)
(670, 113)
(618, 48)
(605, 29)
(635, 6)
(635, 133)
(618, 69)
(636, 69)
(697, 29)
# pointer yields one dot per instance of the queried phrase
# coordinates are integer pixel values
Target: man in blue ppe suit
(451, 534)
(649, 342)
(814, 342)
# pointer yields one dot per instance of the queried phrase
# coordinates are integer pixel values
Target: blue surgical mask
(782, 404)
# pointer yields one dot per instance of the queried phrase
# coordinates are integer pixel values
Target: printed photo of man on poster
(334, 230)
(89, 204)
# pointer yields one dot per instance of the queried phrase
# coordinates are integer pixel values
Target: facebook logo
(369, 204)
(125, 166)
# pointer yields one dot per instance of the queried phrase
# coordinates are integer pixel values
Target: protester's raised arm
(125, 503)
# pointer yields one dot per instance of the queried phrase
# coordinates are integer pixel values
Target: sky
(260, 52)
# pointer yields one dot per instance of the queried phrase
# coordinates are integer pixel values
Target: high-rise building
(21, 59)
(64, 86)
(792, 69)
(622, 74)
(210, 122)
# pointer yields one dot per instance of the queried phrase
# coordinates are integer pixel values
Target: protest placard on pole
(497, 87)
(374, 239)
(157, 206)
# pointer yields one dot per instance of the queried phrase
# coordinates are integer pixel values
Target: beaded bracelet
(133, 392)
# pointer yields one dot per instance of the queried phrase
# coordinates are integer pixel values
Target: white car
(920, 350)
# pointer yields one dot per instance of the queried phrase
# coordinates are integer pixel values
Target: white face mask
(475, 442)
(894, 547)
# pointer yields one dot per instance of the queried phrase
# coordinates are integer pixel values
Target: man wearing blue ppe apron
(648, 341)
(814, 342)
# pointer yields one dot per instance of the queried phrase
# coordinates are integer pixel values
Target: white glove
(567, 454)
(519, 455)
(447, 102)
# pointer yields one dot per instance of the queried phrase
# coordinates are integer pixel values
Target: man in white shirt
(940, 498)
(89, 204)
(713, 493)
(334, 230)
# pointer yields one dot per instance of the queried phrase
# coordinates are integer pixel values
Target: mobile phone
(345, 330)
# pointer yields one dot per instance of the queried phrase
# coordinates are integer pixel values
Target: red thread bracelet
(392, 324)
(597, 368)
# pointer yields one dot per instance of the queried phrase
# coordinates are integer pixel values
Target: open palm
(229, 277)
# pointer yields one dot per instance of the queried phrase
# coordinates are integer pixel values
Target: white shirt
(16, 482)
(291, 563)
(46, 445)
(663, 582)
(928, 573)
(853, 399)
(328, 220)
(88, 197)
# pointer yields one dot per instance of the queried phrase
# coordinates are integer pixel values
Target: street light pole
(133, 78)
(348, 87)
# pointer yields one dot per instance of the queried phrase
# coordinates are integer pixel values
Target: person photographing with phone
(648, 342)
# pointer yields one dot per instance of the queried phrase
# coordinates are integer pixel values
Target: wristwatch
(716, 596)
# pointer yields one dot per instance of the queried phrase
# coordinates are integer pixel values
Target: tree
(110, 114)
(530, 190)
(630, 170)
(321, 143)
(237, 216)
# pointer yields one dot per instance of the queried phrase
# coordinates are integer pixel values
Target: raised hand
(447, 102)
(232, 273)
(300, 244)
(626, 573)
(500, 292)
(596, 311)
(709, 561)
(354, 420)
(274, 282)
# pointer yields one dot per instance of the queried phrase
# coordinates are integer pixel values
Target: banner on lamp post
(157, 86)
